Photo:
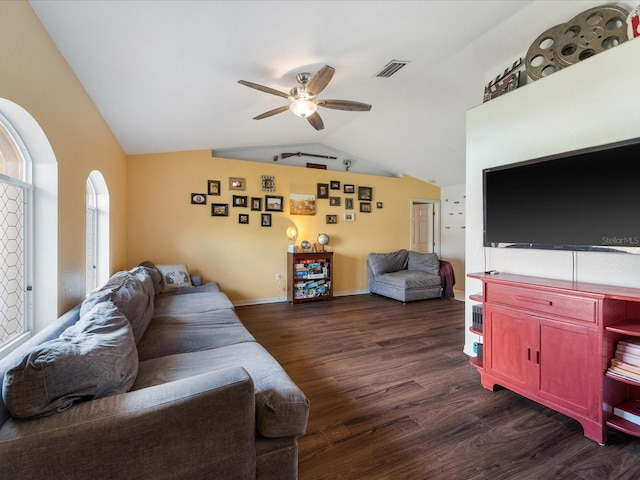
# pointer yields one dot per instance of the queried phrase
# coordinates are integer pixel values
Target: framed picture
(213, 187)
(265, 219)
(302, 204)
(365, 193)
(332, 219)
(273, 203)
(334, 185)
(323, 190)
(349, 216)
(379, 204)
(365, 207)
(268, 183)
(348, 188)
(240, 201)
(219, 209)
(243, 218)
(198, 199)
(236, 183)
(348, 203)
(256, 204)
(334, 201)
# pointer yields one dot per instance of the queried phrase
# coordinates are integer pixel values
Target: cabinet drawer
(568, 306)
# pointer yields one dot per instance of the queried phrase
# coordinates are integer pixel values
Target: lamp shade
(292, 233)
(303, 108)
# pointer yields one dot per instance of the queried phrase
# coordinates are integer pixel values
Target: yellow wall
(36, 77)
(164, 227)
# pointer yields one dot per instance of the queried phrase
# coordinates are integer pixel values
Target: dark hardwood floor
(393, 397)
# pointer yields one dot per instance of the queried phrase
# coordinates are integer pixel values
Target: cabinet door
(510, 348)
(569, 374)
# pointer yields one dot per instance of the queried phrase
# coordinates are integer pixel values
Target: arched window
(28, 165)
(97, 231)
(16, 194)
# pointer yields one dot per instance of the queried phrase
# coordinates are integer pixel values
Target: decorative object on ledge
(323, 239)
(508, 81)
(318, 166)
(306, 246)
(198, 199)
(268, 183)
(300, 154)
(219, 209)
(213, 187)
(273, 203)
(236, 183)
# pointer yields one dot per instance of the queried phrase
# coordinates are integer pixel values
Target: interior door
(423, 227)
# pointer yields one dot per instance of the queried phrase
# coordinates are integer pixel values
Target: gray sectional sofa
(152, 382)
(407, 275)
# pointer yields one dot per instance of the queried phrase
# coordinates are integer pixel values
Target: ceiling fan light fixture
(303, 107)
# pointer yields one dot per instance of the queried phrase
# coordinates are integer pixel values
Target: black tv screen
(582, 200)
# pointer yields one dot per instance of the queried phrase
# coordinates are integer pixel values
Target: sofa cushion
(206, 301)
(409, 279)
(424, 262)
(131, 296)
(388, 262)
(93, 358)
(282, 409)
(175, 276)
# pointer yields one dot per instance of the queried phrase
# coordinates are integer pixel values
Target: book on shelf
(629, 410)
(628, 357)
(625, 366)
(621, 372)
(630, 344)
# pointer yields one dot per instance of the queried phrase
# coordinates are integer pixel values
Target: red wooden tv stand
(552, 340)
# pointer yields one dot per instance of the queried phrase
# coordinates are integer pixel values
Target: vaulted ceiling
(164, 73)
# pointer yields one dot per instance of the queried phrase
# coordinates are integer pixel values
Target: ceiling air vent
(390, 68)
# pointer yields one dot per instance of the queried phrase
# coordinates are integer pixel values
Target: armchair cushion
(424, 262)
(388, 262)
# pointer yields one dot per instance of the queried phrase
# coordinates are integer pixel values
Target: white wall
(591, 103)
(453, 220)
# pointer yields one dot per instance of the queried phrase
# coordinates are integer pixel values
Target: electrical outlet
(278, 277)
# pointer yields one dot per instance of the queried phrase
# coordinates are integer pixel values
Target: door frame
(436, 221)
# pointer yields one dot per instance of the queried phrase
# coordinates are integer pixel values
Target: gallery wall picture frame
(198, 199)
(334, 201)
(348, 203)
(349, 188)
(219, 209)
(349, 217)
(265, 219)
(240, 201)
(273, 203)
(213, 187)
(379, 204)
(302, 204)
(256, 204)
(331, 219)
(268, 183)
(365, 193)
(323, 190)
(237, 183)
(243, 218)
(365, 207)
(334, 184)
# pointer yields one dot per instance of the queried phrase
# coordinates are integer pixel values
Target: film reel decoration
(540, 60)
(591, 32)
(585, 35)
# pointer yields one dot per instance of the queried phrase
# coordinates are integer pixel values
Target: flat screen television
(584, 200)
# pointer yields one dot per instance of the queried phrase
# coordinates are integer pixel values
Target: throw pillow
(175, 276)
(424, 262)
(93, 358)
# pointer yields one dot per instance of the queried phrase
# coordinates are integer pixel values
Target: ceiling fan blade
(262, 88)
(270, 113)
(344, 105)
(320, 80)
(316, 121)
